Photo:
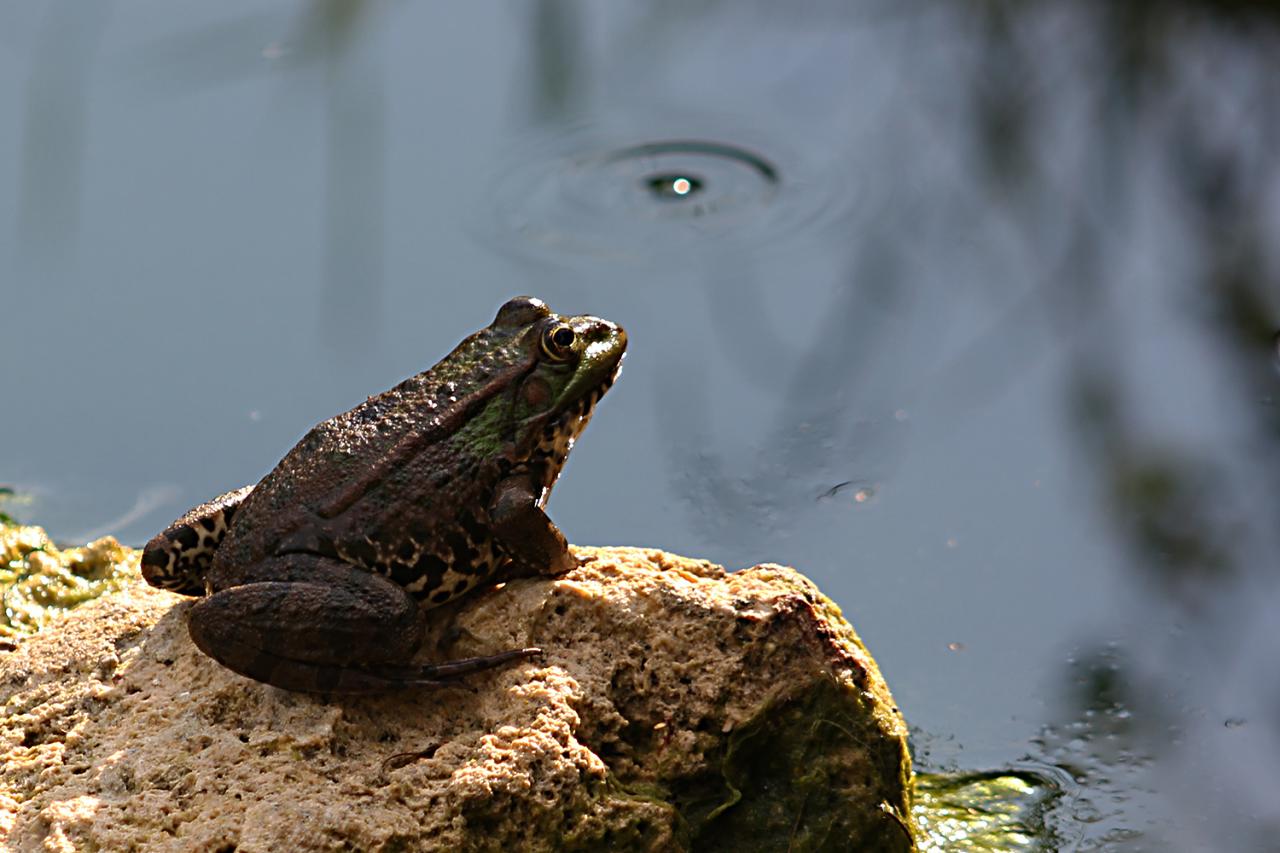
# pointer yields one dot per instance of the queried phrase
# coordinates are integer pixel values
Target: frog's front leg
(318, 625)
(525, 533)
(179, 557)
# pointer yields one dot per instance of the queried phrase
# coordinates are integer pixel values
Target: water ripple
(593, 191)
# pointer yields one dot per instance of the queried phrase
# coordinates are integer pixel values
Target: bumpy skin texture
(318, 577)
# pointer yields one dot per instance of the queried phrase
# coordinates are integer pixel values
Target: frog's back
(384, 486)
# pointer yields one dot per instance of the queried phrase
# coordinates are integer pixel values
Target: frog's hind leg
(314, 624)
(179, 557)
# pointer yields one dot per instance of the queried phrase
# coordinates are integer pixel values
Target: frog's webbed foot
(534, 544)
(317, 625)
(178, 558)
(445, 674)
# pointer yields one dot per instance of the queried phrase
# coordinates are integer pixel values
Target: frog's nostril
(603, 330)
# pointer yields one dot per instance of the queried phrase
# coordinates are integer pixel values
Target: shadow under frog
(321, 577)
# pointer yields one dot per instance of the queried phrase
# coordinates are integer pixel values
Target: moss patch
(983, 812)
(39, 581)
(792, 775)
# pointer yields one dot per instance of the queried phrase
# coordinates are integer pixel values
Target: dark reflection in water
(1195, 511)
(558, 78)
(336, 42)
(52, 153)
(354, 203)
(818, 378)
(967, 309)
(1106, 798)
(693, 148)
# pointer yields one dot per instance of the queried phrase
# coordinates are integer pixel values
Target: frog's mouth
(600, 358)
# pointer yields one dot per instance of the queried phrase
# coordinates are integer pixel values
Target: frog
(324, 576)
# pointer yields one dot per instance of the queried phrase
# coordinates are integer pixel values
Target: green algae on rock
(677, 707)
(996, 812)
(39, 581)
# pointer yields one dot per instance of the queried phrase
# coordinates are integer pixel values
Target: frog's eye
(557, 342)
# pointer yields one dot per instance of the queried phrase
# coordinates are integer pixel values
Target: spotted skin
(178, 557)
(321, 576)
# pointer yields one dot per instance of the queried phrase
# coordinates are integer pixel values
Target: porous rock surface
(677, 707)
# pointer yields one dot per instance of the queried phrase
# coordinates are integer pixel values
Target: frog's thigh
(308, 624)
(525, 533)
(178, 557)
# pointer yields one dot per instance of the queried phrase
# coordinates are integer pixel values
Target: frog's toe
(448, 673)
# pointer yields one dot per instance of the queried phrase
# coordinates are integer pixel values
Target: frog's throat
(568, 423)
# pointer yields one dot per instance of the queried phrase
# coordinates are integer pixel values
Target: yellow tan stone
(677, 706)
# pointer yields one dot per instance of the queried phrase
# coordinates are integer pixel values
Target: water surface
(968, 310)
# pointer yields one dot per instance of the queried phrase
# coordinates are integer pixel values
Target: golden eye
(557, 342)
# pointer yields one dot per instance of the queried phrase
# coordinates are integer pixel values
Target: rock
(677, 707)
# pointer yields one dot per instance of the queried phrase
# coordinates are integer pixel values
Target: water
(968, 310)
(585, 189)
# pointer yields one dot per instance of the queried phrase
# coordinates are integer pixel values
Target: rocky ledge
(677, 707)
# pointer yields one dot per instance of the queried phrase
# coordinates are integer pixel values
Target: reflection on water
(355, 184)
(967, 309)
(686, 169)
(679, 186)
(52, 146)
(1105, 763)
(1085, 785)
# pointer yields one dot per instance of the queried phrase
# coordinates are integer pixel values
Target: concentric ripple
(706, 175)
(585, 193)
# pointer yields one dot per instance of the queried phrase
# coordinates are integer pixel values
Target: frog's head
(571, 362)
